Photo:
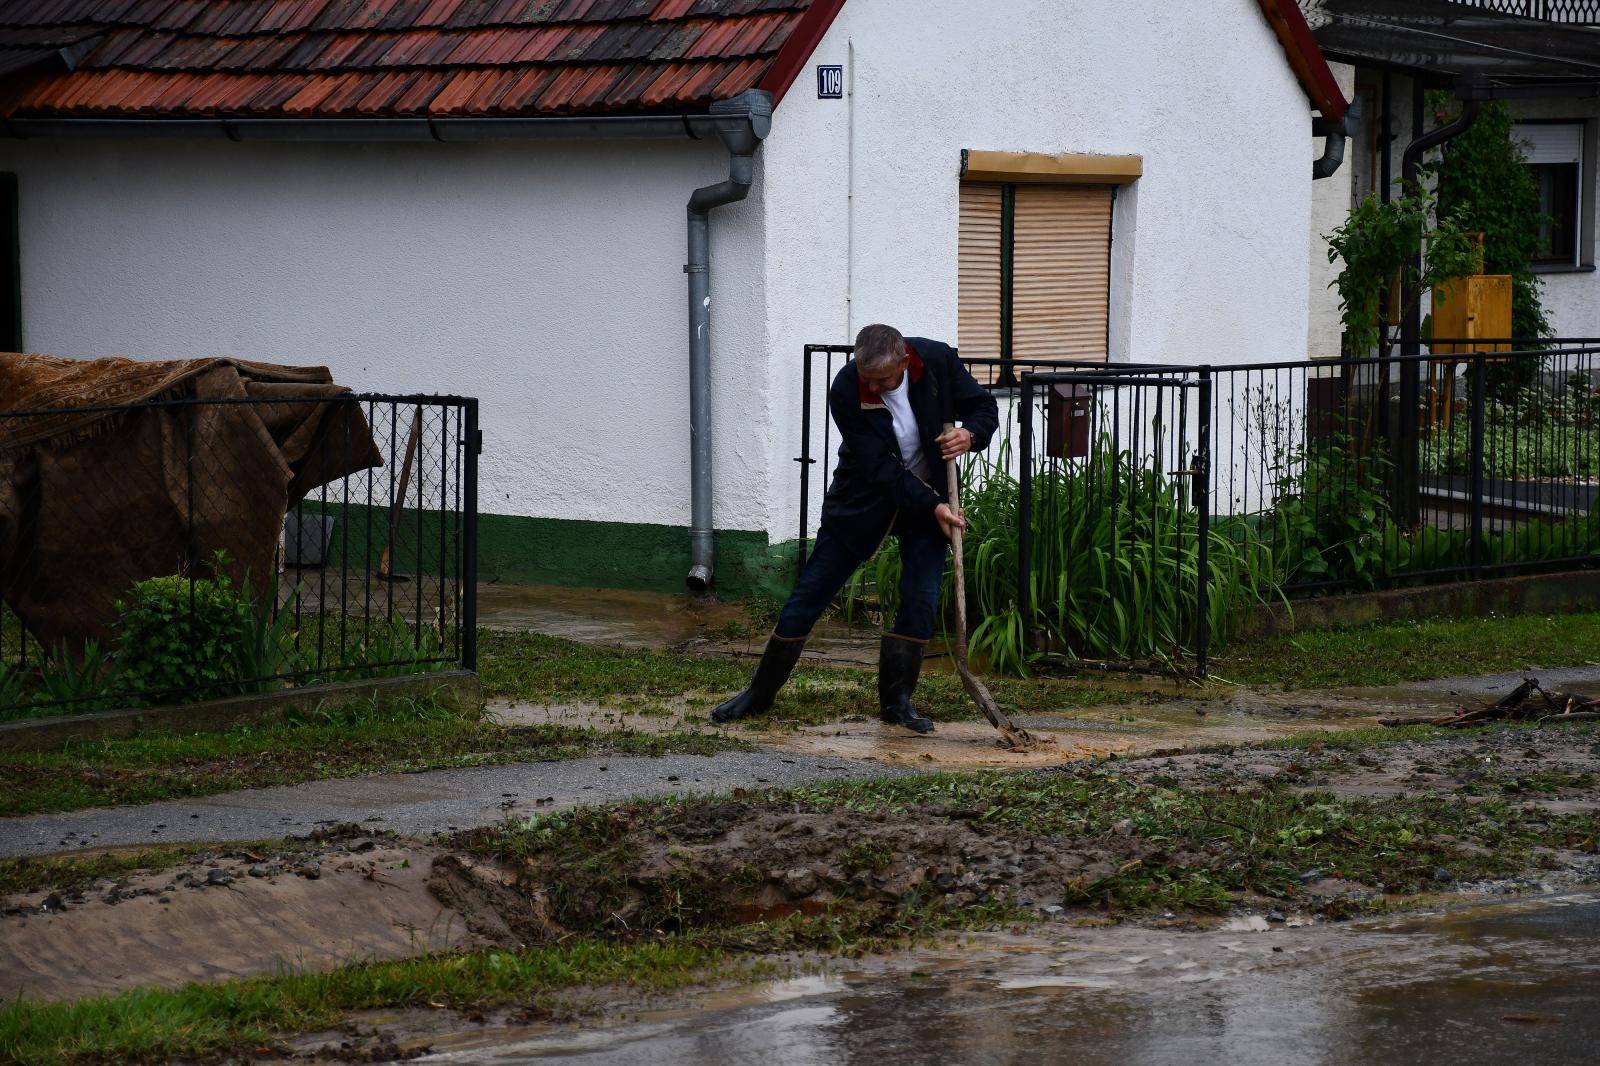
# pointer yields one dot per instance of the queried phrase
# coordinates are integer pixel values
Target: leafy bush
(1378, 244)
(1484, 182)
(184, 637)
(1328, 521)
(1526, 434)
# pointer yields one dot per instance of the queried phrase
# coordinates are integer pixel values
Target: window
(10, 268)
(1035, 271)
(1555, 156)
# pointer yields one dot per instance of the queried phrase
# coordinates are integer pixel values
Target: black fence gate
(1029, 566)
(1114, 547)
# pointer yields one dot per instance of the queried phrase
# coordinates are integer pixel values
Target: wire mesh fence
(187, 549)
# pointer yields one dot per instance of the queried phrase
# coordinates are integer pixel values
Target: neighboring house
(487, 197)
(1541, 56)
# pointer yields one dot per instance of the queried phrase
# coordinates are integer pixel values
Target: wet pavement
(419, 804)
(1506, 983)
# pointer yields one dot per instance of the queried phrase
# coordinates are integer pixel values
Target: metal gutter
(693, 126)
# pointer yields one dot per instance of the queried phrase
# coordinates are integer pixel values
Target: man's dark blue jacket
(872, 484)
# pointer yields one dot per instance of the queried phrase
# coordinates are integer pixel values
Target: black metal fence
(1130, 514)
(188, 549)
(1570, 11)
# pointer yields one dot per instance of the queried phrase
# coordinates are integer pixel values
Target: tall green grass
(1114, 571)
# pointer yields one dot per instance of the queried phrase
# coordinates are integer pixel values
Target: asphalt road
(418, 804)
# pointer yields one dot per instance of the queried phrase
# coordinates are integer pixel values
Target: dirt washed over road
(744, 857)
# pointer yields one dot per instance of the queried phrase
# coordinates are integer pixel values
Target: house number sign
(830, 83)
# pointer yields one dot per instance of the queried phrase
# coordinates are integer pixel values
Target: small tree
(1378, 244)
(1482, 179)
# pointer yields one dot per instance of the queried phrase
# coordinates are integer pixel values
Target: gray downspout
(1334, 134)
(743, 122)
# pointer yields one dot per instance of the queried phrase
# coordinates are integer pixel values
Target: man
(891, 403)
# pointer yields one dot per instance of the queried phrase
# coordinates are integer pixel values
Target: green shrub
(82, 683)
(1330, 515)
(392, 647)
(184, 638)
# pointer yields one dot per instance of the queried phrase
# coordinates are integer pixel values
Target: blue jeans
(922, 553)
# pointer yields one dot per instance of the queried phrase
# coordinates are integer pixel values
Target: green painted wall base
(553, 551)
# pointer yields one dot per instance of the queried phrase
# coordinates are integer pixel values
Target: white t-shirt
(905, 427)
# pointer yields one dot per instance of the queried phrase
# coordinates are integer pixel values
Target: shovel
(1013, 736)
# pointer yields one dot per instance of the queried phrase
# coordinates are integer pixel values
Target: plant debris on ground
(1528, 702)
(1115, 838)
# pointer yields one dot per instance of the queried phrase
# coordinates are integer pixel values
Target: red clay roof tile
(244, 58)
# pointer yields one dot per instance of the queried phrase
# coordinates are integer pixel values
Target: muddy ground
(1556, 768)
(310, 904)
(741, 858)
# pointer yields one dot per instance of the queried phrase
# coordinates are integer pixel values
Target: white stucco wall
(1571, 299)
(1330, 206)
(1209, 246)
(545, 279)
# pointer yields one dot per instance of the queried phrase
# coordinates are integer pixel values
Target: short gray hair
(877, 345)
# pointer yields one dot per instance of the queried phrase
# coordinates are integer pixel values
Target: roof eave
(1305, 57)
(374, 130)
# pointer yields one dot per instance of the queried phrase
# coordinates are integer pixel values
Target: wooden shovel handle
(959, 577)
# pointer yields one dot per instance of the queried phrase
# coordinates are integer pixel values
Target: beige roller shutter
(978, 275)
(1061, 272)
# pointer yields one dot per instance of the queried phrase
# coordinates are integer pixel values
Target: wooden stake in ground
(1014, 736)
(385, 563)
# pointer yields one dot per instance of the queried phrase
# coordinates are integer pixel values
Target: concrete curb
(1560, 593)
(456, 688)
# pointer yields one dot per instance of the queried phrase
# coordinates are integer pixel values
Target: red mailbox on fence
(1326, 407)
(1067, 416)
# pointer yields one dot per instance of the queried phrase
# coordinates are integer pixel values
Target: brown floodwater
(1508, 983)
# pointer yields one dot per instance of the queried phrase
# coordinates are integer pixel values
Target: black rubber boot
(899, 666)
(777, 663)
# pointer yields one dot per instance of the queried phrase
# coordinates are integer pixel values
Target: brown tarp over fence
(92, 501)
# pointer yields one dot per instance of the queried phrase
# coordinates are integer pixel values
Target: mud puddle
(1507, 983)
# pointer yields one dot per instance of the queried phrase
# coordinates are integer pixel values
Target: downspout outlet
(1334, 134)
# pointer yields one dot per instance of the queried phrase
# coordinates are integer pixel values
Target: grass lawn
(541, 669)
(1394, 652)
(361, 738)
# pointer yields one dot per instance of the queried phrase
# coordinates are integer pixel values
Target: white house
(487, 197)
(1541, 58)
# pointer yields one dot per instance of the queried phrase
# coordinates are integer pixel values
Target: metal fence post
(473, 444)
(805, 460)
(1025, 517)
(1202, 500)
(1475, 458)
